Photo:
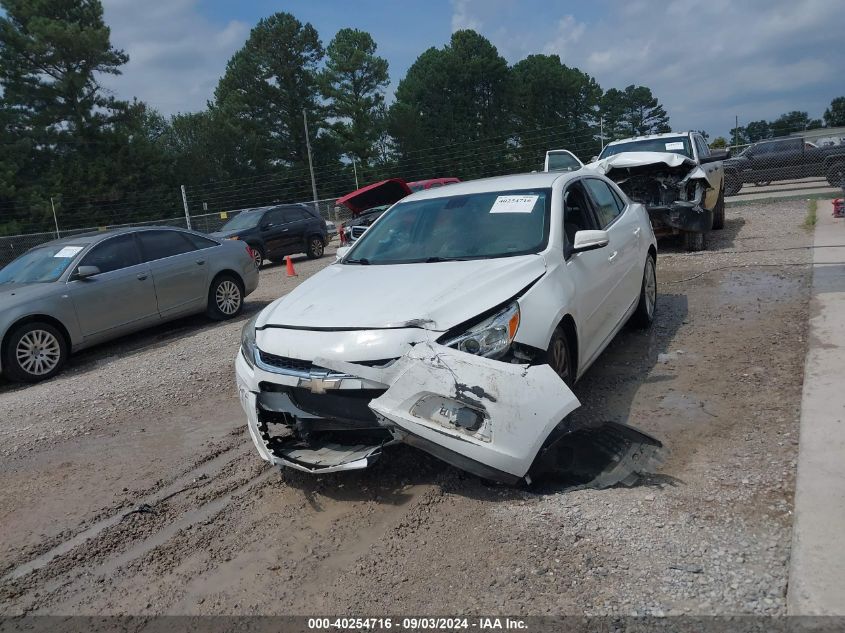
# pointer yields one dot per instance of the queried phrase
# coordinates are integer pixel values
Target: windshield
(472, 226)
(672, 144)
(40, 265)
(561, 161)
(243, 220)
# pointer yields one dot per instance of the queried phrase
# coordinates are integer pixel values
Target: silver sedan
(75, 292)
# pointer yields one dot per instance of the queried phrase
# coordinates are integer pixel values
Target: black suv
(273, 232)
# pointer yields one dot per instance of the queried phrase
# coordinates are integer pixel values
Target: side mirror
(83, 272)
(594, 159)
(264, 227)
(341, 252)
(715, 155)
(590, 241)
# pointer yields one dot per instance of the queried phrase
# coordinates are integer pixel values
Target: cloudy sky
(706, 60)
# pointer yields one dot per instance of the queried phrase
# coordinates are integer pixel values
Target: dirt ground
(129, 485)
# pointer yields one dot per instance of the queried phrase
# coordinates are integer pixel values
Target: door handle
(200, 262)
(612, 256)
(142, 276)
(637, 231)
(284, 230)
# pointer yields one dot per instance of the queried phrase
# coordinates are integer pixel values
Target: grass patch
(811, 217)
(807, 196)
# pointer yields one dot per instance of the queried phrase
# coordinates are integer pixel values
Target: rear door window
(274, 217)
(607, 204)
(160, 244)
(113, 254)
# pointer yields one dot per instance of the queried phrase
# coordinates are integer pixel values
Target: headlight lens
(248, 341)
(492, 337)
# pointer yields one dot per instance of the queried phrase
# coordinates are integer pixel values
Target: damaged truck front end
(680, 196)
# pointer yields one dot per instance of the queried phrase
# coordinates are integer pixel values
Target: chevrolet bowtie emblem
(318, 385)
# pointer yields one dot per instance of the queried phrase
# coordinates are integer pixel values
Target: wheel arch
(35, 318)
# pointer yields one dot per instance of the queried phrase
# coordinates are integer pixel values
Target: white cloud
(705, 61)
(461, 18)
(176, 55)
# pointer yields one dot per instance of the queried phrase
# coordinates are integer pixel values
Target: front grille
(358, 231)
(283, 362)
(304, 368)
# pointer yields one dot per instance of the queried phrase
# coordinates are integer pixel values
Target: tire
(836, 174)
(559, 357)
(695, 241)
(732, 184)
(225, 297)
(34, 351)
(315, 247)
(258, 255)
(719, 212)
(646, 308)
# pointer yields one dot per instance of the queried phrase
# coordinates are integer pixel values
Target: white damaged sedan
(455, 324)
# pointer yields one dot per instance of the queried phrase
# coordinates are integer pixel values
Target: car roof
(648, 137)
(92, 237)
(538, 180)
(283, 205)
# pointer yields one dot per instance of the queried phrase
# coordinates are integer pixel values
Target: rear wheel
(34, 351)
(225, 297)
(315, 247)
(719, 212)
(836, 174)
(643, 316)
(695, 241)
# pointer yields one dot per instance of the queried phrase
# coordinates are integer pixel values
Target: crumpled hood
(640, 159)
(436, 296)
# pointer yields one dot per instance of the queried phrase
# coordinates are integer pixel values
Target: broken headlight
(492, 337)
(248, 341)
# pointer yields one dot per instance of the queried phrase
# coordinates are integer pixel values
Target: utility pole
(310, 164)
(185, 204)
(736, 132)
(54, 217)
(601, 131)
(355, 171)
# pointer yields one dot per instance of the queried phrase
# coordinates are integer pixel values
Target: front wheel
(315, 247)
(836, 174)
(34, 351)
(257, 256)
(560, 358)
(695, 241)
(643, 316)
(719, 212)
(225, 297)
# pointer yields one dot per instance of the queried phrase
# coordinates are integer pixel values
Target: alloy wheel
(317, 247)
(38, 352)
(228, 297)
(560, 358)
(650, 287)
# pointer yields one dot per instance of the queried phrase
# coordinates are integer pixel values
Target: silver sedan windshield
(471, 226)
(43, 264)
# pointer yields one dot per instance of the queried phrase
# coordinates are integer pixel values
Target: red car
(419, 185)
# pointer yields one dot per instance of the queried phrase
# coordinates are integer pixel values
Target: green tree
(353, 82)
(834, 116)
(720, 142)
(452, 110)
(72, 140)
(795, 121)
(633, 112)
(554, 106)
(758, 131)
(263, 92)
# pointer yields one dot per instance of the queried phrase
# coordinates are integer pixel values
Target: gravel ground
(128, 483)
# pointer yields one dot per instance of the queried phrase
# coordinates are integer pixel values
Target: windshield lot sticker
(675, 145)
(68, 251)
(514, 204)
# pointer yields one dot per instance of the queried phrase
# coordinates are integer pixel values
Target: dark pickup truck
(784, 159)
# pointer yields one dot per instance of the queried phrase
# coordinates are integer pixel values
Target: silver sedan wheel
(650, 287)
(228, 297)
(38, 352)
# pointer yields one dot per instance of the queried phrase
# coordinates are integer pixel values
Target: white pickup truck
(678, 178)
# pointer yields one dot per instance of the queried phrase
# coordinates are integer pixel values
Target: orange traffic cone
(290, 269)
